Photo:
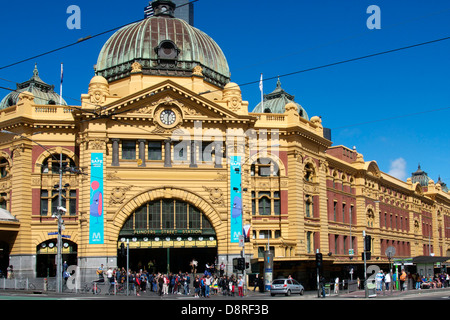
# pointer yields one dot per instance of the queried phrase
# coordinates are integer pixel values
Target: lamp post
(60, 211)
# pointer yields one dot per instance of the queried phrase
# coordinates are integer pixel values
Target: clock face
(168, 117)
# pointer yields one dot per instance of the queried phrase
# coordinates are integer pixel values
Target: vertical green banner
(96, 221)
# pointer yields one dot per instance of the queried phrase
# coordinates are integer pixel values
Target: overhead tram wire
(315, 68)
(80, 41)
(286, 74)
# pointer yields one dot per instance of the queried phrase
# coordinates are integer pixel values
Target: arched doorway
(164, 235)
(4, 258)
(46, 256)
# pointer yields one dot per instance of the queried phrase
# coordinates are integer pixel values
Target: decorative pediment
(192, 106)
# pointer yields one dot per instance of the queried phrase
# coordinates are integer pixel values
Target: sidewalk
(387, 294)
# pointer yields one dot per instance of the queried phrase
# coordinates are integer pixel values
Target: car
(286, 286)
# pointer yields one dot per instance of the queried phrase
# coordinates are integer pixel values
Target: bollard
(45, 284)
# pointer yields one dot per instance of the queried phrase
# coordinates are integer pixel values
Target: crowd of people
(204, 285)
(416, 281)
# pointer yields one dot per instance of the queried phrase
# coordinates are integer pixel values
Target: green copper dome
(163, 45)
(44, 94)
(276, 101)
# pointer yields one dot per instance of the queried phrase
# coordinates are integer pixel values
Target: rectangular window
(129, 150)
(180, 151)
(154, 215)
(194, 218)
(335, 210)
(73, 203)
(253, 203)
(207, 151)
(276, 203)
(181, 215)
(154, 150)
(343, 212)
(44, 202)
(167, 214)
(140, 220)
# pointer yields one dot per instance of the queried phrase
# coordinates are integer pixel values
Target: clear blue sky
(387, 106)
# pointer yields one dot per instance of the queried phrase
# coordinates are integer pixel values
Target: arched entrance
(46, 256)
(164, 235)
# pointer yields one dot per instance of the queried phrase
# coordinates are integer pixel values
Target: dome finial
(164, 8)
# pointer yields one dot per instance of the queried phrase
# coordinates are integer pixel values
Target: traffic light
(241, 264)
(367, 243)
(122, 250)
(318, 260)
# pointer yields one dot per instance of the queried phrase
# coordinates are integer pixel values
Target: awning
(429, 259)
(8, 222)
(5, 215)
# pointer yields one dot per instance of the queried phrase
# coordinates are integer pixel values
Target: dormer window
(167, 50)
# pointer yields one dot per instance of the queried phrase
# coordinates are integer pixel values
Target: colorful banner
(96, 221)
(236, 199)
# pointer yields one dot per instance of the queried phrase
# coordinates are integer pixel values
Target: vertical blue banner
(235, 199)
(96, 221)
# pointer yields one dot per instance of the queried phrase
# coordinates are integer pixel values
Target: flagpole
(261, 87)
(61, 84)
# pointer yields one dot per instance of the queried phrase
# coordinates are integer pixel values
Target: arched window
(4, 167)
(265, 167)
(168, 215)
(50, 195)
(53, 163)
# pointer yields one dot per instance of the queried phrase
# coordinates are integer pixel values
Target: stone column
(142, 151)
(218, 155)
(193, 155)
(167, 154)
(115, 152)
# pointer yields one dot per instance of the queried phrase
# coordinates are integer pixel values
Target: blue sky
(394, 108)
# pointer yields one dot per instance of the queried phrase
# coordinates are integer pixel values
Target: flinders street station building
(164, 156)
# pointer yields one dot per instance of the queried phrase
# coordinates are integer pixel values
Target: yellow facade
(297, 200)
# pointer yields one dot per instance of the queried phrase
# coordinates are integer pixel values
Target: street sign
(241, 240)
(52, 233)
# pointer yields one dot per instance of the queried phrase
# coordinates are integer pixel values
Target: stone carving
(118, 195)
(216, 195)
(136, 67)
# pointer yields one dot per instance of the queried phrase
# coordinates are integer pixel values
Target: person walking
(196, 286)
(387, 280)
(402, 279)
(322, 286)
(256, 283)
(240, 287)
(207, 285)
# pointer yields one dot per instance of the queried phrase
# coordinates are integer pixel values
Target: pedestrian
(402, 279)
(166, 284)
(160, 284)
(109, 275)
(336, 285)
(207, 285)
(379, 280)
(196, 285)
(256, 282)
(222, 269)
(240, 284)
(224, 285)
(99, 272)
(187, 281)
(387, 280)
(137, 281)
(322, 286)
